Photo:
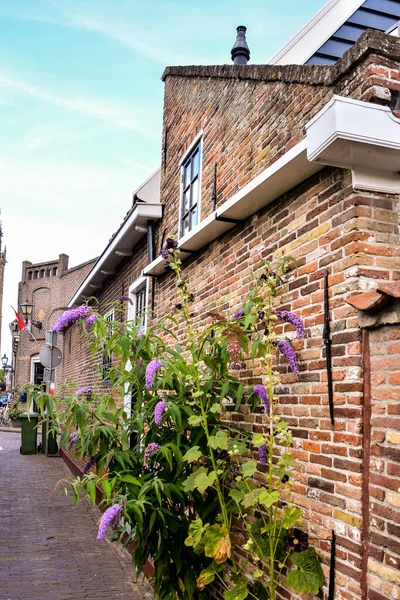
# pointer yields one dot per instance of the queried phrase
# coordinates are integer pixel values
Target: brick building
(49, 286)
(262, 161)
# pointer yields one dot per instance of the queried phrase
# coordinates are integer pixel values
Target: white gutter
(126, 238)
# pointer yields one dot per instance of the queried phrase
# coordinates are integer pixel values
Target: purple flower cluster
(84, 390)
(89, 321)
(239, 313)
(73, 438)
(151, 370)
(159, 409)
(150, 449)
(262, 454)
(110, 517)
(71, 315)
(263, 395)
(235, 470)
(88, 465)
(125, 299)
(294, 319)
(290, 354)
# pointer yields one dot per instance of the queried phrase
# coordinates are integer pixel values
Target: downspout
(366, 461)
(151, 254)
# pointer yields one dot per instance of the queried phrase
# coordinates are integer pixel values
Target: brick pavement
(49, 549)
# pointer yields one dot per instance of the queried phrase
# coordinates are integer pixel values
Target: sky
(81, 109)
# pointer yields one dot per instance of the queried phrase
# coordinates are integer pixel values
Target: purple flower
(150, 449)
(71, 315)
(294, 319)
(125, 299)
(73, 438)
(169, 247)
(89, 321)
(262, 453)
(110, 517)
(159, 409)
(298, 541)
(239, 313)
(151, 370)
(290, 354)
(140, 334)
(88, 465)
(84, 390)
(263, 395)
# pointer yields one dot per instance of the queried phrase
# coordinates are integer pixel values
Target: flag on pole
(21, 321)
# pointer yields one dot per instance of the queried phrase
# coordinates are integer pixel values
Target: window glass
(190, 194)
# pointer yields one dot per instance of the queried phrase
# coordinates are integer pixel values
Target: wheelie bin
(29, 423)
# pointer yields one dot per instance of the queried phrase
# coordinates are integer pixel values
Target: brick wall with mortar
(249, 117)
(384, 502)
(49, 286)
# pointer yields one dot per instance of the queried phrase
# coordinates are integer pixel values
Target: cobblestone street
(49, 549)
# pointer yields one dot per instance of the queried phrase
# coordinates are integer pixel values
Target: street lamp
(26, 309)
(4, 361)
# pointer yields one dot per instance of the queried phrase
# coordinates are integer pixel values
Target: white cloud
(109, 111)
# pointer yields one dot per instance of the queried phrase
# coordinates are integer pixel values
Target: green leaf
(130, 479)
(105, 484)
(286, 460)
(239, 396)
(189, 579)
(192, 455)
(216, 408)
(204, 481)
(189, 484)
(248, 468)
(195, 421)
(195, 537)
(292, 516)
(217, 544)
(208, 574)
(258, 440)
(252, 498)
(308, 577)
(236, 495)
(91, 488)
(220, 440)
(267, 499)
(238, 593)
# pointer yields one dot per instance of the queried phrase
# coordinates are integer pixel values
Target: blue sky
(81, 108)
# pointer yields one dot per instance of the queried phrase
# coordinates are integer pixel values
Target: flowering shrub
(187, 483)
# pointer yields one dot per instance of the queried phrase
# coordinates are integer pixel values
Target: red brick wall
(384, 476)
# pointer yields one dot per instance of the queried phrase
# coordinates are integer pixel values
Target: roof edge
(326, 75)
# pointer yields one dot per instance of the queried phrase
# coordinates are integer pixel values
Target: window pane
(195, 192)
(186, 201)
(185, 226)
(186, 174)
(196, 163)
(194, 217)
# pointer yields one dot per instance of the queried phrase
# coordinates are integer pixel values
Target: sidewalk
(49, 550)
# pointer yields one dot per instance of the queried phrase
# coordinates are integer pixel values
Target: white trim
(124, 240)
(139, 283)
(350, 133)
(375, 181)
(315, 32)
(198, 141)
(34, 360)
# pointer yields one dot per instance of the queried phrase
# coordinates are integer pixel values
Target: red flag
(21, 321)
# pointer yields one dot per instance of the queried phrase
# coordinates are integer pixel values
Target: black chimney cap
(240, 52)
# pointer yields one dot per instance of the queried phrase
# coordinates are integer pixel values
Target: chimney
(240, 52)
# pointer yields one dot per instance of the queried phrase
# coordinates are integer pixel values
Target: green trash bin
(29, 433)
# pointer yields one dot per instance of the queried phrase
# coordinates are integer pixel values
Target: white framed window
(138, 293)
(107, 360)
(190, 198)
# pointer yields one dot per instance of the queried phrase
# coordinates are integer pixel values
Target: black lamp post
(26, 309)
(4, 361)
